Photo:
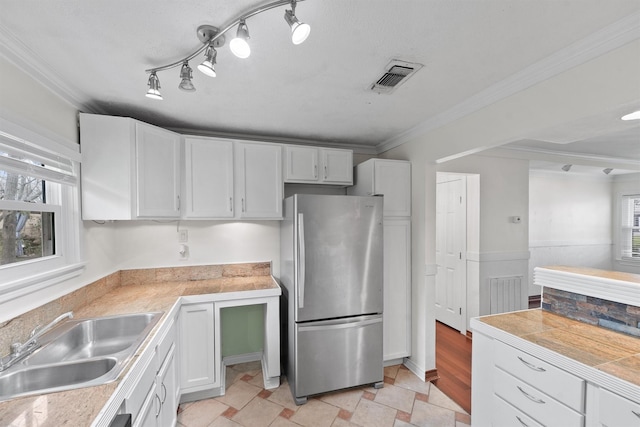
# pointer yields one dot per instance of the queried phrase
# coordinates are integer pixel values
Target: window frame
(26, 277)
(625, 251)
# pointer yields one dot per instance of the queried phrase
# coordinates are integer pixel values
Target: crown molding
(357, 148)
(20, 55)
(525, 153)
(596, 44)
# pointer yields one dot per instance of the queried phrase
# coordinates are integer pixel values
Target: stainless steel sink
(86, 338)
(56, 377)
(78, 353)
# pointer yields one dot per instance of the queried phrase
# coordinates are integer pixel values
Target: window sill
(28, 285)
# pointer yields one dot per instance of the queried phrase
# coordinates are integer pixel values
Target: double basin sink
(78, 353)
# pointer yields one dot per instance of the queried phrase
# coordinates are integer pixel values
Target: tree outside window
(24, 234)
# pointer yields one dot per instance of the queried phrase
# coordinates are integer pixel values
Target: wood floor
(453, 362)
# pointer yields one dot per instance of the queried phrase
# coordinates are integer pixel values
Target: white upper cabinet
(388, 178)
(209, 178)
(158, 172)
(258, 178)
(130, 170)
(317, 165)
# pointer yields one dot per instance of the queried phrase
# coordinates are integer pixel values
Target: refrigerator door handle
(341, 324)
(301, 261)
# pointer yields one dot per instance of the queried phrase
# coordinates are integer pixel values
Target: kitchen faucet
(19, 351)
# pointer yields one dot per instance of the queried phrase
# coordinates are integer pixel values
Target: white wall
(502, 248)
(146, 244)
(569, 221)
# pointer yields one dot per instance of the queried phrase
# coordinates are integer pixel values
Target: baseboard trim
(431, 375)
(413, 367)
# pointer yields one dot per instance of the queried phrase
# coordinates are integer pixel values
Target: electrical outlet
(183, 236)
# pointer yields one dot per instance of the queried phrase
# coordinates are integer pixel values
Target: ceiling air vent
(397, 73)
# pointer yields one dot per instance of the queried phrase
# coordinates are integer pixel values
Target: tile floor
(404, 401)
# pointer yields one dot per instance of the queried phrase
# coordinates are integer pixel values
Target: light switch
(183, 236)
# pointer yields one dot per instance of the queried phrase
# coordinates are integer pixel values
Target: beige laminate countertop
(612, 352)
(80, 407)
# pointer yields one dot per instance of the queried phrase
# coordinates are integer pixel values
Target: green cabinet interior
(242, 329)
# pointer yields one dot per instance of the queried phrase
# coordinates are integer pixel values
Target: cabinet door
(148, 416)
(158, 172)
(397, 289)
(337, 166)
(301, 164)
(197, 347)
(166, 382)
(259, 178)
(209, 176)
(615, 410)
(393, 180)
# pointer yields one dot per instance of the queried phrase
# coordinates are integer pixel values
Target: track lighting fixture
(607, 171)
(566, 168)
(299, 30)
(240, 45)
(210, 59)
(154, 86)
(211, 38)
(186, 74)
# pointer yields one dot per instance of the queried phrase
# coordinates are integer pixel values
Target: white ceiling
(95, 53)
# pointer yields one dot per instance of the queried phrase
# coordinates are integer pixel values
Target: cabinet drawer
(615, 410)
(547, 378)
(165, 343)
(503, 414)
(538, 405)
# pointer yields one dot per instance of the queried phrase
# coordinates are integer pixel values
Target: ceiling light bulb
(566, 168)
(240, 45)
(299, 30)
(154, 86)
(207, 66)
(631, 116)
(186, 74)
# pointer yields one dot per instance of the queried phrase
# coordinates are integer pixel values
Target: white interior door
(451, 252)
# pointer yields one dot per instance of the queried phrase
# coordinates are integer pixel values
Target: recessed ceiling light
(632, 116)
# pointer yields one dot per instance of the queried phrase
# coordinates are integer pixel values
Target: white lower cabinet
(513, 387)
(153, 401)
(197, 370)
(614, 410)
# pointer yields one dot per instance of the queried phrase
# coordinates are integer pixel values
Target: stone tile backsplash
(612, 315)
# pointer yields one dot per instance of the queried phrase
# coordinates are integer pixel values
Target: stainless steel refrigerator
(331, 270)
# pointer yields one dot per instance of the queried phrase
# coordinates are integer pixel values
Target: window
(39, 211)
(630, 227)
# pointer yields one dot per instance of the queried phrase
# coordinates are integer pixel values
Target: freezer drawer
(335, 354)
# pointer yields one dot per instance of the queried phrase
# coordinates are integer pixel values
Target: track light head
(566, 168)
(299, 30)
(207, 66)
(607, 171)
(186, 74)
(240, 44)
(154, 86)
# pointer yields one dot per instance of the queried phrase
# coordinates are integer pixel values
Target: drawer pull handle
(531, 398)
(522, 422)
(637, 414)
(531, 365)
